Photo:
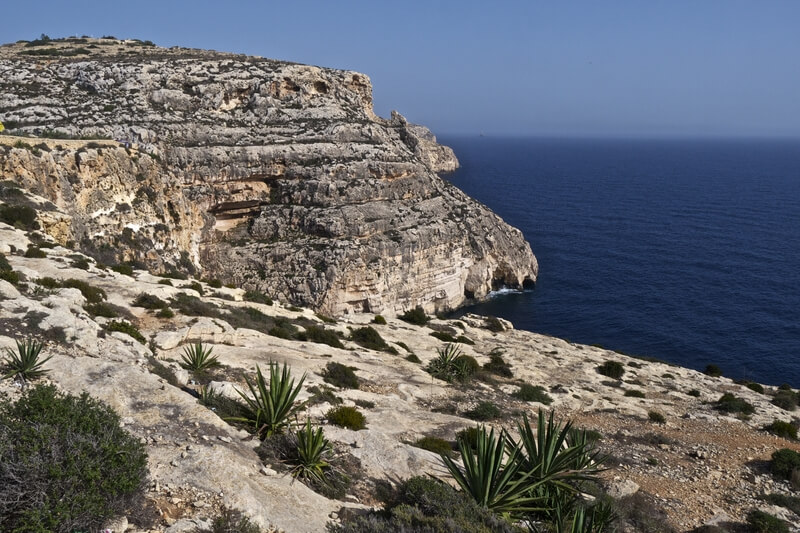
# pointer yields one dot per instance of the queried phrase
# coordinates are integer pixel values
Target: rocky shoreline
(699, 465)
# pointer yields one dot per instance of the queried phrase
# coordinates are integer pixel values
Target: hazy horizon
(583, 69)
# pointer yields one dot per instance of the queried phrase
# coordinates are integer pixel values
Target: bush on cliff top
(55, 444)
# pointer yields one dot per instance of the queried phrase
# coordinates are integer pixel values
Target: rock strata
(699, 463)
(273, 176)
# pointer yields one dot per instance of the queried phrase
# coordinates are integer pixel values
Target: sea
(683, 250)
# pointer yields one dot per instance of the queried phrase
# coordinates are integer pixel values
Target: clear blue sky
(678, 67)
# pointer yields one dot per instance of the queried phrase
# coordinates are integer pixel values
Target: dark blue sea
(683, 250)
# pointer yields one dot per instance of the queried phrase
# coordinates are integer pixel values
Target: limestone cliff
(268, 175)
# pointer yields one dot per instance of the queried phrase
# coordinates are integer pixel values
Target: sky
(653, 68)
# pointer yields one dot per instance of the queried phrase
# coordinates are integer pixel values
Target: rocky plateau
(273, 176)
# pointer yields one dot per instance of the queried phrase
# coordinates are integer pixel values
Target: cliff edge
(269, 175)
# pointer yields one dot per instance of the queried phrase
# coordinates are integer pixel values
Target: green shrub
(423, 504)
(194, 306)
(166, 312)
(451, 365)
(762, 522)
(323, 394)
(321, 335)
(48, 283)
(126, 328)
(786, 400)
(35, 252)
(483, 411)
(533, 393)
(103, 309)
(435, 445)
(123, 268)
(92, 294)
(369, 338)
(379, 320)
(340, 376)
(633, 393)
(784, 500)
(195, 286)
(229, 521)
(81, 263)
(213, 283)
(325, 318)
(415, 316)
(347, 417)
(443, 336)
(694, 392)
(149, 301)
(9, 276)
(729, 403)
(19, 216)
(493, 324)
(656, 417)
(755, 387)
(469, 436)
(611, 369)
(257, 297)
(4, 264)
(713, 371)
(55, 444)
(412, 358)
(782, 429)
(785, 463)
(497, 365)
(165, 282)
(784, 386)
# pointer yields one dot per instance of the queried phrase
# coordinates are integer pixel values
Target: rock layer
(269, 175)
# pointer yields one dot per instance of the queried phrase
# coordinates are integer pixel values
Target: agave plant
(269, 405)
(556, 452)
(198, 358)
(596, 519)
(492, 475)
(206, 395)
(25, 363)
(448, 365)
(312, 446)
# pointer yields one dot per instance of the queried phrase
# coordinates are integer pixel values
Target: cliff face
(270, 175)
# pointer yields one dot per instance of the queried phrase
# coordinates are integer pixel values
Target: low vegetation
(435, 445)
(497, 365)
(127, 328)
(320, 335)
(728, 403)
(787, 430)
(369, 338)
(55, 444)
(198, 358)
(451, 365)
(785, 464)
(484, 411)
(611, 369)
(347, 417)
(270, 404)
(415, 316)
(340, 376)
(24, 362)
(533, 393)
